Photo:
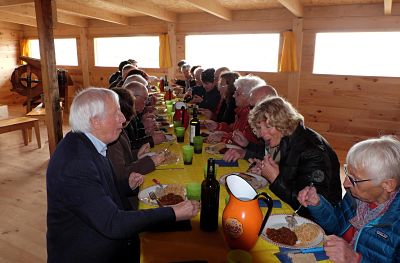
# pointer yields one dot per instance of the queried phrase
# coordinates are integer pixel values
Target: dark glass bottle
(209, 200)
(162, 84)
(194, 125)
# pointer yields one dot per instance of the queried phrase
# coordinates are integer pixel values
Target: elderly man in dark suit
(86, 221)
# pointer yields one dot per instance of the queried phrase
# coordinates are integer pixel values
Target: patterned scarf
(365, 214)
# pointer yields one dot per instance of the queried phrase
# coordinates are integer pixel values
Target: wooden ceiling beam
(388, 7)
(293, 6)
(28, 11)
(17, 19)
(71, 20)
(143, 7)
(212, 7)
(14, 2)
(75, 8)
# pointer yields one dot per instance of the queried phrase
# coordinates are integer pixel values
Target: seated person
(86, 221)
(223, 131)
(226, 108)
(188, 82)
(116, 77)
(138, 127)
(365, 226)
(211, 98)
(198, 89)
(297, 156)
(250, 150)
(127, 162)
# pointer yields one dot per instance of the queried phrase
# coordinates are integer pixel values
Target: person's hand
(186, 209)
(239, 138)
(339, 251)
(308, 196)
(158, 137)
(145, 148)
(215, 137)
(211, 125)
(135, 180)
(256, 169)
(232, 155)
(158, 158)
(270, 170)
(206, 112)
(197, 99)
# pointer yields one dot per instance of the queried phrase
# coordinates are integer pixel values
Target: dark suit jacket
(124, 162)
(85, 217)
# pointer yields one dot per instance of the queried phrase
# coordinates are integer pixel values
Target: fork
(153, 196)
(290, 219)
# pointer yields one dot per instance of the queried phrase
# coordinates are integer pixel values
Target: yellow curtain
(24, 48)
(288, 61)
(165, 53)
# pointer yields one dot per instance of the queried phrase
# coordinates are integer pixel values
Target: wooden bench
(24, 124)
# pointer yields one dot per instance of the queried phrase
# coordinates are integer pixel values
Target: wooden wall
(10, 34)
(345, 109)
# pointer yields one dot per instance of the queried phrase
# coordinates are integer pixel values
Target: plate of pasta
(306, 233)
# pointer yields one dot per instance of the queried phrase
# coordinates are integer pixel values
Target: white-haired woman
(224, 131)
(366, 224)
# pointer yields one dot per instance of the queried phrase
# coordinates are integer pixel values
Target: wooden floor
(23, 195)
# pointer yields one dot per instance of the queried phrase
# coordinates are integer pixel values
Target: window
(110, 51)
(358, 53)
(65, 48)
(239, 52)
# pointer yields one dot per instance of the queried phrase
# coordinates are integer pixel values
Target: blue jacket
(85, 217)
(378, 241)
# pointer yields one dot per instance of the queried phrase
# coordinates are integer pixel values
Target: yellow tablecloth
(196, 244)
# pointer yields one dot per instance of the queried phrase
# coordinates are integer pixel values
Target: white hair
(378, 157)
(135, 77)
(87, 104)
(247, 83)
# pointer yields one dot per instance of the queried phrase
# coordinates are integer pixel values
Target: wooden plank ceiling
(80, 12)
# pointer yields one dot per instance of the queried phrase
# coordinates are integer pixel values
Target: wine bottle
(209, 199)
(194, 126)
(162, 84)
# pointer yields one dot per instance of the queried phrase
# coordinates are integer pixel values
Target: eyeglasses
(353, 181)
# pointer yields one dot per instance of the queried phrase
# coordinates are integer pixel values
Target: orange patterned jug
(242, 219)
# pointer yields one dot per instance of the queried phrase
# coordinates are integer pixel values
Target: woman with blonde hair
(296, 156)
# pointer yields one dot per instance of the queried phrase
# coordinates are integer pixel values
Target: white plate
(232, 146)
(145, 198)
(170, 137)
(144, 195)
(256, 181)
(278, 221)
(149, 154)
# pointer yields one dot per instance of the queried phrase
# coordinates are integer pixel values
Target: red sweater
(241, 124)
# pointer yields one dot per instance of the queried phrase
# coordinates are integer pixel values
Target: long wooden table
(194, 245)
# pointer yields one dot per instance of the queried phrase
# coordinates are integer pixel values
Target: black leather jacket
(307, 157)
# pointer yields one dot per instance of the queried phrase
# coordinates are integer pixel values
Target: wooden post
(46, 17)
(83, 61)
(294, 77)
(172, 47)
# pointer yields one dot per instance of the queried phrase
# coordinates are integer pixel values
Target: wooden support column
(46, 17)
(294, 77)
(83, 56)
(172, 46)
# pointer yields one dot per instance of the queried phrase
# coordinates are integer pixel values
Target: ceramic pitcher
(242, 219)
